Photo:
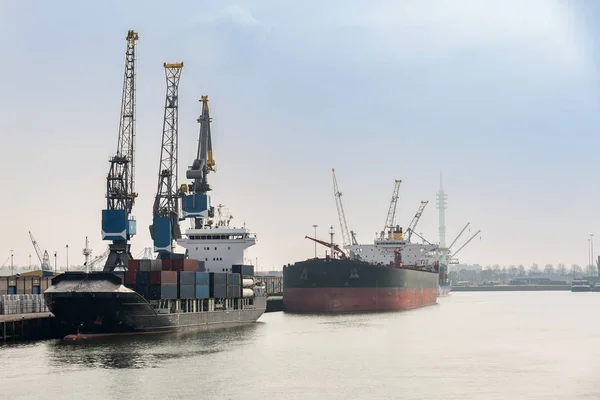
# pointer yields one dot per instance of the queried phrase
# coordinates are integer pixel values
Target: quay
(510, 288)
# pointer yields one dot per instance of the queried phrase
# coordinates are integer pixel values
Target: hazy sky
(503, 96)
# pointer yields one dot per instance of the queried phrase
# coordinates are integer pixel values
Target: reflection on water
(145, 351)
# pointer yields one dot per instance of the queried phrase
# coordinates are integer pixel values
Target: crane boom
(391, 216)
(459, 235)
(196, 205)
(346, 238)
(416, 218)
(466, 243)
(334, 247)
(43, 257)
(165, 224)
(117, 223)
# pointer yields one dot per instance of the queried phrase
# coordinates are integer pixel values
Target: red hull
(356, 299)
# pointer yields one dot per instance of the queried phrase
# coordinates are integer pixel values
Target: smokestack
(441, 206)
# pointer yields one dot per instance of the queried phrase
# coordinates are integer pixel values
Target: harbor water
(481, 345)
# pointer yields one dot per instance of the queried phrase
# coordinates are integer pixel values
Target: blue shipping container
(234, 292)
(187, 291)
(202, 278)
(186, 277)
(219, 291)
(202, 292)
(158, 292)
(143, 277)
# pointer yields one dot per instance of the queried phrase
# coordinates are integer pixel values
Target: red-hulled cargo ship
(390, 275)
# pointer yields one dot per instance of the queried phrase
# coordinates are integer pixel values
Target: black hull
(100, 311)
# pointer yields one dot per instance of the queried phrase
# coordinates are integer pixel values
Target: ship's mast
(441, 206)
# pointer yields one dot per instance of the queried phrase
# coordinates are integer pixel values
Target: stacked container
(234, 286)
(244, 270)
(202, 285)
(218, 284)
(187, 284)
(163, 285)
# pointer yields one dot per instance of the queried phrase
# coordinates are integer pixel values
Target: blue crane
(165, 223)
(196, 204)
(118, 225)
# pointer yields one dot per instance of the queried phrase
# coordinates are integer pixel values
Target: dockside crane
(165, 224)
(447, 254)
(413, 223)
(348, 237)
(118, 225)
(43, 257)
(391, 216)
(196, 204)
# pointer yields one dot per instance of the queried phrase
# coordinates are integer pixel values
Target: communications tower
(441, 206)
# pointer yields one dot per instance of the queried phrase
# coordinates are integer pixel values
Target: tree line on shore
(535, 269)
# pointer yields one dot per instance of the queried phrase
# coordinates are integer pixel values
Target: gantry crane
(196, 204)
(43, 257)
(348, 237)
(118, 225)
(391, 216)
(165, 224)
(415, 220)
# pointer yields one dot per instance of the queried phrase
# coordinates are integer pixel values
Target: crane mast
(196, 205)
(416, 218)
(389, 222)
(347, 239)
(118, 225)
(165, 224)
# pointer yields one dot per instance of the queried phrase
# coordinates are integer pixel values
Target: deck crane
(165, 224)
(391, 216)
(196, 204)
(446, 253)
(118, 225)
(415, 220)
(43, 257)
(348, 237)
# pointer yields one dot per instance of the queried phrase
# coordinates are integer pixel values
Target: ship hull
(336, 286)
(444, 290)
(108, 309)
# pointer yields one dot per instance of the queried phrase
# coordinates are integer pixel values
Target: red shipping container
(130, 277)
(177, 264)
(190, 265)
(133, 265)
(166, 265)
(163, 277)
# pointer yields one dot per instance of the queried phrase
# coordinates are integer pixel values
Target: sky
(502, 96)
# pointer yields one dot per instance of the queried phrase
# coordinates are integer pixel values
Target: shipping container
(244, 270)
(202, 278)
(187, 291)
(202, 291)
(143, 290)
(12, 290)
(184, 265)
(233, 292)
(143, 278)
(218, 291)
(133, 265)
(201, 266)
(186, 278)
(218, 278)
(155, 265)
(36, 290)
(234, 279)
(163, 277)
(167, 265)
(131, 277)
(145, 265)
(158, 292)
